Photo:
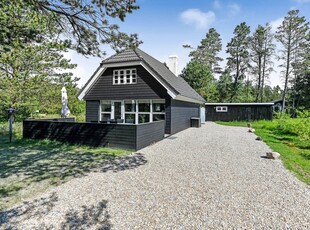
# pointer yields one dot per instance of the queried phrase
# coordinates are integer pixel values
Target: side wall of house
(239, 113)
(92, 110)
(180, 115)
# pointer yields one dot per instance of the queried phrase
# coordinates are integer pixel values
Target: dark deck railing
(125, 136)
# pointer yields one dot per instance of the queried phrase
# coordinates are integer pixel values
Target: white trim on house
(132, 76)
(183, 98)
(123, 64)
(223, 104)
(91, 82)
(150, 113)
(171, 94)
(221, 109)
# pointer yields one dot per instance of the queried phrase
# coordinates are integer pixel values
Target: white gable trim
(100, 72)
(171, 94)
(123, 64)
(188, 99)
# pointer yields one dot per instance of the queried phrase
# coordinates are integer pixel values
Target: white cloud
(200, 19)
(217, 4)
(234, 9)
(276, 23)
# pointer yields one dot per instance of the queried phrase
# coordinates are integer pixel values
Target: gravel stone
(214, 177)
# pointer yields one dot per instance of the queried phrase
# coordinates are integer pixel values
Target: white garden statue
(65, 111)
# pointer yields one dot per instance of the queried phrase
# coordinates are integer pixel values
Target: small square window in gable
(125, 76)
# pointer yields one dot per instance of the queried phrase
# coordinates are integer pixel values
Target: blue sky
(165, 25)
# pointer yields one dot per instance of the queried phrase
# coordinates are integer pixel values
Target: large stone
(251, 130)
(273, 155)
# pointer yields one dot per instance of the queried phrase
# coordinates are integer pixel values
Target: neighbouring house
(132, 87)
(239, 111)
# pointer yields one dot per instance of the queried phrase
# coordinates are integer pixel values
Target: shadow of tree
(28, 162)
(37, 208)
(89, 217)
(93, 216)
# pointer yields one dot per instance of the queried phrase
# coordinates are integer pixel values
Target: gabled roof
(176, 86)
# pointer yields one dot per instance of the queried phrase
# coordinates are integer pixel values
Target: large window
(130, 111)
(133, 111)
(106, 110)
(124, 76)
(158, 110)
(144, 111)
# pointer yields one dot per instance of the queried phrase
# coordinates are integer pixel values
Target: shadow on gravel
(37, 208)
(53, 163)
(88, 217)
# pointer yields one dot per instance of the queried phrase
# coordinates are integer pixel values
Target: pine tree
(87, 24)
(31, 59)
(262, 49)
(238, 60)
(199, 76)
(208, 50)
(292, 35)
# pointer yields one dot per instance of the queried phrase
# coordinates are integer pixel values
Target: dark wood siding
(124, 136)
(168, 116)
(149, 133)
(92, 110)
(239, 113)
(181, 113)
(147, 87)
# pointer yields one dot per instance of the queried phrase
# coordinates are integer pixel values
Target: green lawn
(28, 167)
(289, 137)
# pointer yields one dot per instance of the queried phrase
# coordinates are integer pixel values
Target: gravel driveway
(208, 178)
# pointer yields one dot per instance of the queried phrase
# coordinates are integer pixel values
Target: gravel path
(207, 178)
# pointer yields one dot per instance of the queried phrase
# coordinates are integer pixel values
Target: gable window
(124, 76)
(221, 109)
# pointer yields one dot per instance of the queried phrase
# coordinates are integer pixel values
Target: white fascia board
(220, 104)
(171, 94)
(183, 98)
(100, 72)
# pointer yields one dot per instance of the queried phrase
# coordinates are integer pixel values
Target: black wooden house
(239, 111)
(132, 87)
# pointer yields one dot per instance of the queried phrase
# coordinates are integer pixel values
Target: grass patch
(290, 137)
(28, 167)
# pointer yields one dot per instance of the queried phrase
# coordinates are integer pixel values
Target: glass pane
(130, 106)
(143, 118)
(130, 118)
(144, 106)
(105, 106)
(105, 116)
(158, 117)
(117, 110)
(158, 107)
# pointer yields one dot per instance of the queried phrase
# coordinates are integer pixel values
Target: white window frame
(148, 113)
(154, 113)
(132, 76)
(221, 109)
(100, 110)
(136, 113)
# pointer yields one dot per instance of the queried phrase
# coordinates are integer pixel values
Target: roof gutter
(188, 99)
